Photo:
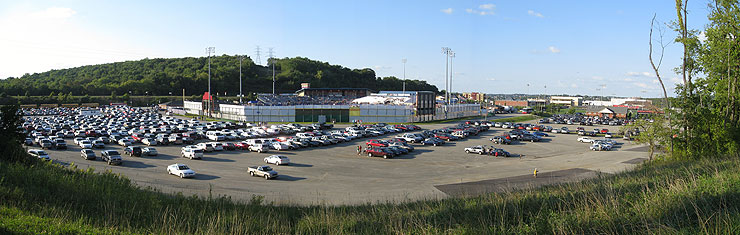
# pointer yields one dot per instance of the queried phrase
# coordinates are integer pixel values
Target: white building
(566, 100)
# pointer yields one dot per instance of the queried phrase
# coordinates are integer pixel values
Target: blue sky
(571, 47)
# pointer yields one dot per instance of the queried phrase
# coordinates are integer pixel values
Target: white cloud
(491, 79)
(487, 6)
(702, 36)
(483, 9)
(447, 11)
(535, 14)
(553, 49)
(54, 13)
(655, 81)
(640, 74)
(573, 85)
(628, 79)
(597, 78)
(379, 67)
(640, 84)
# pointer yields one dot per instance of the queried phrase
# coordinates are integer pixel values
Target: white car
(260, 148)
(181, 170)
(124, 142)
(149, 142)
(206, 147)
(149, 151)
(608, 135)
(86, 144)
(585, 139)
(41, 154)
(192, 152)
(277, 160)
(217, 146)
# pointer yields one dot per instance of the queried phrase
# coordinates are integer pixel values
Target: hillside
(162, 76)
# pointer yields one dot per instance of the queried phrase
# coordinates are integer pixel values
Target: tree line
(161, 77)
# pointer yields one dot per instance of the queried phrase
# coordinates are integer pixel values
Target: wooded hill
(162, 76)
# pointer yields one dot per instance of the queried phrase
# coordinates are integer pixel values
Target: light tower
(452, 55)
(404, 74)
(209, 51)
(272, 60)
(241, 58)
(447, 51)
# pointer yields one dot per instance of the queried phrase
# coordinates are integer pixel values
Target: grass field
(660, 197)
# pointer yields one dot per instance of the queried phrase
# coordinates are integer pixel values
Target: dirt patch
(515, 182)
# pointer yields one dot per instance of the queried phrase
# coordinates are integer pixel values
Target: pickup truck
(262, 171)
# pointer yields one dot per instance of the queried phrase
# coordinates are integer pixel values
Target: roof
(605, 109)
(320, 89)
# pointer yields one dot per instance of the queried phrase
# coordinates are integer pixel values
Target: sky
(535, 47)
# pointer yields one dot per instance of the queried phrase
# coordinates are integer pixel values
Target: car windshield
(183, 167)
(41, 152)
(266, 168)
(88, 151)
(197, 151)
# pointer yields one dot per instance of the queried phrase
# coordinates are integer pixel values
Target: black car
(134, 151)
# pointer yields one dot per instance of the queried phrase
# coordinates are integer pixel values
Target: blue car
(540, 134)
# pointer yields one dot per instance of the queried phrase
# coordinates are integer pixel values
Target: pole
(241, 58)
(404, 75)
(209, 50)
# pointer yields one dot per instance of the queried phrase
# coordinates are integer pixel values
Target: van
(215, 136)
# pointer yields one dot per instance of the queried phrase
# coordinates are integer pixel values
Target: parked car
(500, 140)
(206, 147)
(133, 151)
(262, 171)
(260, 148)
(378, 152)
(112, 157)
(497, 152)
(192, 152)
(377, 143)
(40, 154)
(181, 170)
(476, 149)
(149, 151)
(585, 139)
(277, 160)
(149, 141)
(87, 154)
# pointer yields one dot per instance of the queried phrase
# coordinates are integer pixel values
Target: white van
(215, 136)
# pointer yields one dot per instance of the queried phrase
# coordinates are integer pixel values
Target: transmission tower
(257, 52)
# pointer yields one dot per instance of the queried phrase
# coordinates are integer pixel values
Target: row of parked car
(580, 119)
(402, 144)
(604, 144)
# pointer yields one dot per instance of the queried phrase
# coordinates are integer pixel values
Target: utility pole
(272, 60)
(404, 74)
(241, 58)
(209, 50)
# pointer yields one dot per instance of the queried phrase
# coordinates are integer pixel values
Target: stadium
(338, 105)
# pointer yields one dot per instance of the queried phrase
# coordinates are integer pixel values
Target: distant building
(478, 97)
(566, 100)
(334, 92)
(536, 102)
(607, 112)
(619, 101)
(514, 103)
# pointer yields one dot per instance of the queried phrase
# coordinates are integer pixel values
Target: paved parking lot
(337, 175)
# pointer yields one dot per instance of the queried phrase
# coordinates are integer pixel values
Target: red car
(377, 143)
(401, 127)
(604, 131)
(242, 145)
(444, 137)
(378, 152)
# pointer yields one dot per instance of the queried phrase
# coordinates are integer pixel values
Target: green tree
(653, 133)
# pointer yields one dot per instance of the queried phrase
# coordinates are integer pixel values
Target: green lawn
(662, 197)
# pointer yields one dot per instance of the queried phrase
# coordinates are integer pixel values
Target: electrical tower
(257, 52)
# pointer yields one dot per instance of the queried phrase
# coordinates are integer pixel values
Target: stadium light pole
(209, 51)
(446, 51)
(241, 58)
(272, 60)
(404, 74)
(452, 55)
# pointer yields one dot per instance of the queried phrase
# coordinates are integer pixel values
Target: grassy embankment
(661, 197)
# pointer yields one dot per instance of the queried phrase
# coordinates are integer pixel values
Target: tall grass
(660, 197)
